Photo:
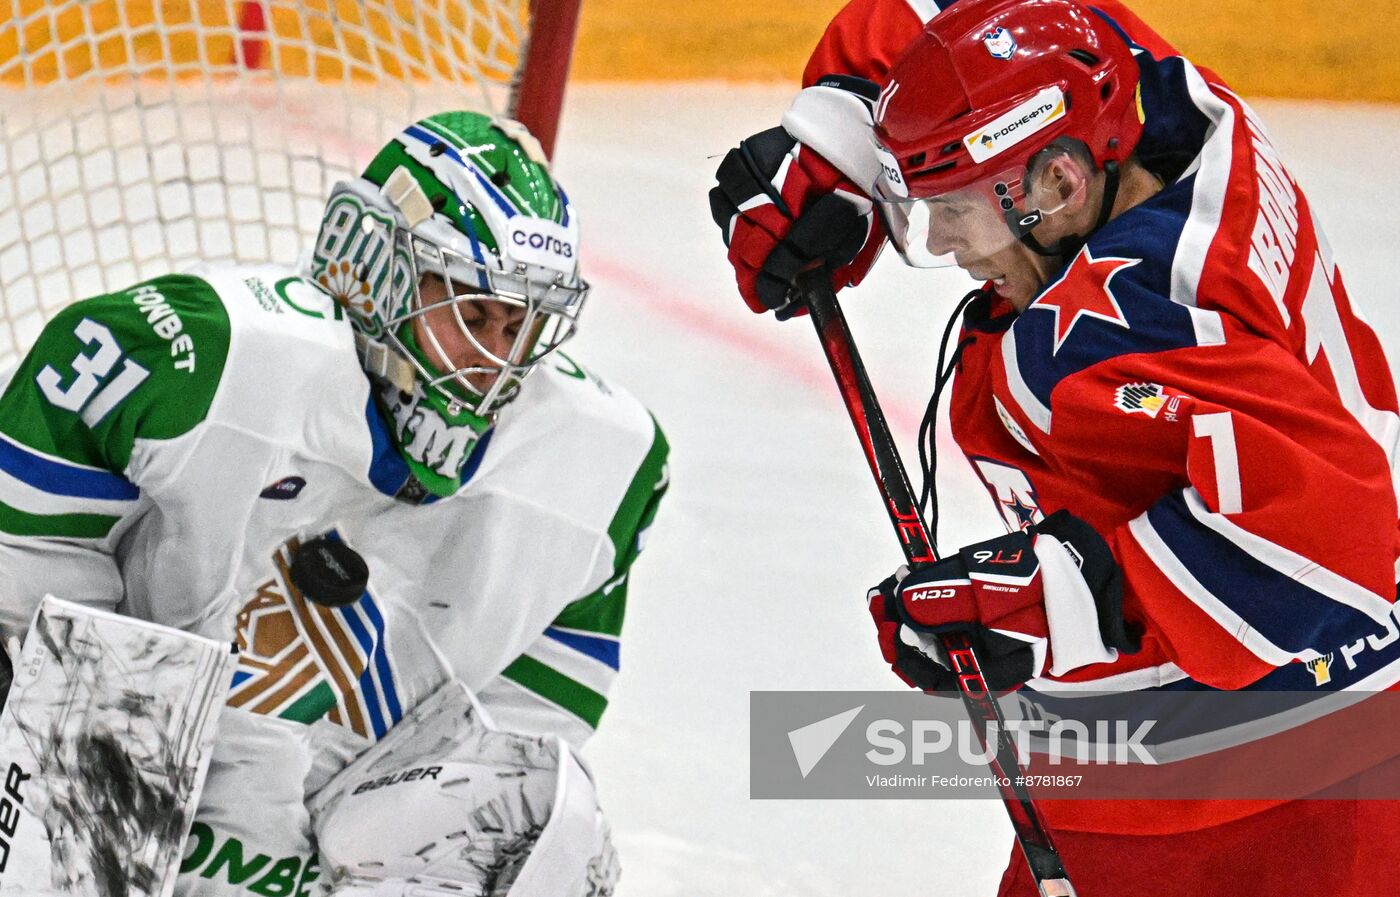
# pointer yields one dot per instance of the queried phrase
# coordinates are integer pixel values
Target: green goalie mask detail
(456, 256)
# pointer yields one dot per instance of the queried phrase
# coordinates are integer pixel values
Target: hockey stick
(883, 457)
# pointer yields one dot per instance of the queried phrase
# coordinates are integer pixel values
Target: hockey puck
(329, 572)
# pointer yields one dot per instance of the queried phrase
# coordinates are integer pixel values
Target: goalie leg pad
(447, 804)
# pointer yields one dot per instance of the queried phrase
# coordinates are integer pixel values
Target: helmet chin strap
(1067, 247)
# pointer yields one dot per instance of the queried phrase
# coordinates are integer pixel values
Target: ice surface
(755, 574)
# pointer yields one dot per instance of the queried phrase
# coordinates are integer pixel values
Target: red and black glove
(1045, 601)
(783, 208)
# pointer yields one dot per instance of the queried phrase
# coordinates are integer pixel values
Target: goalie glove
(793, 198)
(1045, 601)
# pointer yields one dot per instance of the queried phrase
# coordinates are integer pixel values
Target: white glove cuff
(1070, 611)
(836, 124)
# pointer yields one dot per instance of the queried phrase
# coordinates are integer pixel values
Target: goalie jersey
(165, 448)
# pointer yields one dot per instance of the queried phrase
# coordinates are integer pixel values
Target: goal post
(140, 137)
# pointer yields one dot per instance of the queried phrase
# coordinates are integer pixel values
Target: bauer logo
(544, 243)
(1030, 117)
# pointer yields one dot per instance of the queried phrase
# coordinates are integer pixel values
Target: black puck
(329, 572)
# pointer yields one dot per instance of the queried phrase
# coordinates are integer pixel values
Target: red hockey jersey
(1196, 384)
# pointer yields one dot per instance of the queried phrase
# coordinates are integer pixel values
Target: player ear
(1061, 182)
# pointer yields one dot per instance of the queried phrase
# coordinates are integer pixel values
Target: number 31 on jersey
(91, 393)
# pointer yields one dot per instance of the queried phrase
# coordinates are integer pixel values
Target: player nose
(947, 241)
(497, 329)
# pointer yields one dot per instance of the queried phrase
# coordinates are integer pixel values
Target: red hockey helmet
(985, 87)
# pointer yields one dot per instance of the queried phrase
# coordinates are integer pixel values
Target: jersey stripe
(1182, 579)
(1257, 603)
(1212, 178)
(59, 477)
(581, 668)
(571, 696)
(601, 648)
(1289, 564)
(638, 506)
(62, 526)
(377, 679)
(1031, 407)
(927, 9)
(24, 497)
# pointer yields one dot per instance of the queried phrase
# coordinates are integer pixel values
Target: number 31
(86, 393)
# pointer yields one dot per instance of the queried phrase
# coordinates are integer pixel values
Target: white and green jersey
(164, 448)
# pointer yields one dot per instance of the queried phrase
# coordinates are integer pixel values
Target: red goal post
(140, 137)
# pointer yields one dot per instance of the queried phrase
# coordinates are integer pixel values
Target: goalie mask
(455, 255)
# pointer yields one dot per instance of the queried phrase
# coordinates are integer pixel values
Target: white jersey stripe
(1210, 329)
(1132, 680)
(1212, 170)
(924, 9)
(577, 666)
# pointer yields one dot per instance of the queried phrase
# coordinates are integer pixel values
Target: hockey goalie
(381, 479)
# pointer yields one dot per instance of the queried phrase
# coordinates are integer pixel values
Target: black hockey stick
(883, 457)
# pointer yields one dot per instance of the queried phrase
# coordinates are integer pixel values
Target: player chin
(1016, 273)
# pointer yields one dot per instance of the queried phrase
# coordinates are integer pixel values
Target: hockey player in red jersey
(1190, 432)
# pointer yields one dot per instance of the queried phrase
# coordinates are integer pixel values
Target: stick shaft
(882, 455)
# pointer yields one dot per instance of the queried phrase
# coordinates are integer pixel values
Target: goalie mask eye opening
(473, 332)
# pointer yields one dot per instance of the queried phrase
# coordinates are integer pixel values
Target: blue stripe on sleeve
(368, 693)
(58, 478)
(606, 650)
(1278, 607)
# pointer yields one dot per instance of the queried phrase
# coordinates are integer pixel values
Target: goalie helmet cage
(140, 137)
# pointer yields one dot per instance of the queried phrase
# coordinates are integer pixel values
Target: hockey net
(139, 137)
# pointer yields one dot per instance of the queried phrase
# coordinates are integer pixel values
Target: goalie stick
(1032, 834)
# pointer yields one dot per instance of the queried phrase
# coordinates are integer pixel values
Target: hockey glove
(783, 208)
(1045, 601)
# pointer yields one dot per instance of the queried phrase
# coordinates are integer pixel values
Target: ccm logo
(540, 241)
(928, 593)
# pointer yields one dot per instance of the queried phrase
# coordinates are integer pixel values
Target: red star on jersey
(1083, 291)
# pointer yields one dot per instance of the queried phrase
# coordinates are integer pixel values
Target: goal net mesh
(139, 137)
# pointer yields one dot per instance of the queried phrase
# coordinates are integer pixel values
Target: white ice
(755, 574)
